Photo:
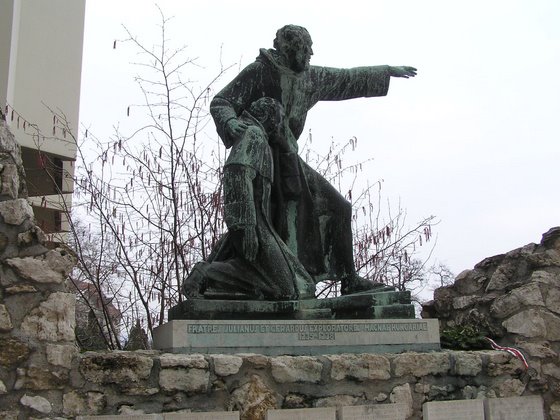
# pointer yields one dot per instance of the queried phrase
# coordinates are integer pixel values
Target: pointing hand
(402, 71)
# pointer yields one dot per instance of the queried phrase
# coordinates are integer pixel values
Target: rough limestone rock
(544, 277)
(463, 302)
(12, 351)
(184, 379)
(469, 364)
(551, 369)
(61, 354)
(9, 415)
(196, 361)
(37, 403)
(96, 402)
(529, 323)
(76, 403)
(286, 369)
(52, 267)
(9, 145)
(5, 319)
(31, 236)
(129, 411)
(337, 401)
(53, 320)
(4, 241)
(294, 401)
(20, 288)
(73, 404)
(36, 270)
(552, 323)
(381, 397)
(499, 366)
(430, 364)
(555, 411)
(360, 367)
(38, 379)
(553, 300)
(527, 295)
(3, 389)
(226, 365)
(403, 394)
(253, 399)
(258, 361)
(122, 368)
(9, 181)
(60, 260)
(538, 350)
(184, 372)
(15, 212)
(510, 388)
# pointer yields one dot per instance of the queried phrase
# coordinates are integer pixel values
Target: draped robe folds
(275, 274)
(308, 214)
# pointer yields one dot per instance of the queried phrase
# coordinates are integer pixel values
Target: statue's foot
(195, 285)
(356, 284)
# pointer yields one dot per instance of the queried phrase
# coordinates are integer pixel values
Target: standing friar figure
(309, 214)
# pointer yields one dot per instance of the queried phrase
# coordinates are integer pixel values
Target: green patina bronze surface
(288, 228)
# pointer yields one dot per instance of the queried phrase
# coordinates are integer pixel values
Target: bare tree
(152, 198)
(440, 275)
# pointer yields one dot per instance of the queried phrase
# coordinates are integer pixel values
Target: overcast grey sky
(474, 139)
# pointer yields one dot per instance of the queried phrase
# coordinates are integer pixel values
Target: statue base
(365, 305)
(367, 322)
(297, 337)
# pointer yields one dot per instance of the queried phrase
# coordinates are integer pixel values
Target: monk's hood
(272, 57)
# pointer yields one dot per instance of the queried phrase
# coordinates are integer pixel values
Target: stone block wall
(37, 342)
(153, 382)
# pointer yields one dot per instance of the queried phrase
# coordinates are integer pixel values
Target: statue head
(294, 45)
(270, 113)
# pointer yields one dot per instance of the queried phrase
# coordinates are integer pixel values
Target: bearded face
(294, 44)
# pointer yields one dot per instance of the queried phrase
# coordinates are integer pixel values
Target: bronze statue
(307, 220)
(251, 261)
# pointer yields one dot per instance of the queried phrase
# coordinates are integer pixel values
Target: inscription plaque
(123, 417)
(373, 412)
(454, 410)
(326, 413)
(209, 415)
(514, 408)
(275, 337)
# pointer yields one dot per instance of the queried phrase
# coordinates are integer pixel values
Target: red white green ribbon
(511, 350)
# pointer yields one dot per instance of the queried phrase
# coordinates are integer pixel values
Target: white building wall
(41, 43)
(6, 15)
(45, 66)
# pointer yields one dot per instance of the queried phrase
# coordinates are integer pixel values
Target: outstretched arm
(402, 71)
(332, 84)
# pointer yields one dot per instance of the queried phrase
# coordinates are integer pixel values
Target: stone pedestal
(380, 304)
(297, 337)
